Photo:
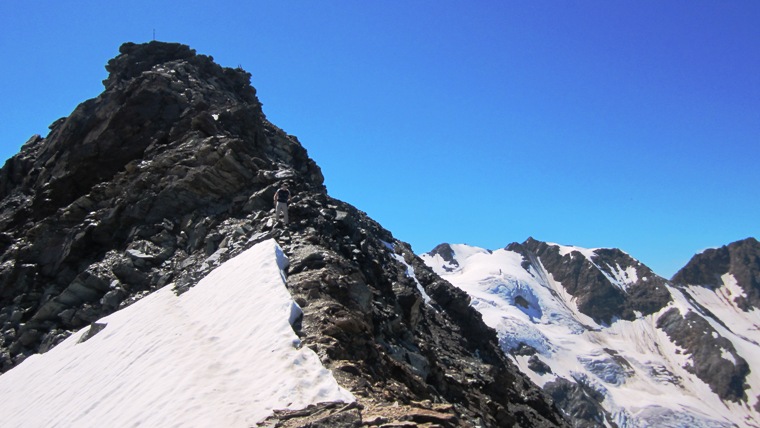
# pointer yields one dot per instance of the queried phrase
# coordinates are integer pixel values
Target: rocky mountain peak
(607, 282)
(136, 59)
(739, 259)
(151, 166)
(447, 254)
(159, 97)
(445, 251)
(170, 172)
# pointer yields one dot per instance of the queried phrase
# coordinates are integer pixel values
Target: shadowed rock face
(170, 172)
(447, 254)
(726, 376)
(741, 259)
(580, 401)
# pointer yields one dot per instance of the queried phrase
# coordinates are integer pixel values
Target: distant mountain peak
(738, 259)
(445, 251)
(607, 283)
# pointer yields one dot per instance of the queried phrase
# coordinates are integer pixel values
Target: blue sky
(629, 124)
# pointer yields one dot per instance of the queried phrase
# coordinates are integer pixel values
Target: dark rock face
(589, 281)
(726, 377)
(581, 401)
(447, 253)
(740, 259)
(170, 172)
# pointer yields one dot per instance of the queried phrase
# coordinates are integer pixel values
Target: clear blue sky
(629, 124)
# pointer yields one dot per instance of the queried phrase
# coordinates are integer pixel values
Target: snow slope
(638, 371)
(222, 354)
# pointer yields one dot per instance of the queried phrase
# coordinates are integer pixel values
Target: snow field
(222, 354)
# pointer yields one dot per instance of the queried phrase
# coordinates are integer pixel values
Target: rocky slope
(614, 343)
(171, 171)
(739, 259)
(723, 286)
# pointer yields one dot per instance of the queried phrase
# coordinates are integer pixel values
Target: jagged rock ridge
(170, 172)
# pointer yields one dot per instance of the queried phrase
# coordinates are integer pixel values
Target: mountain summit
(167, 177)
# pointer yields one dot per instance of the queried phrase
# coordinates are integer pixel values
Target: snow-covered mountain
(172, 360)
(615, 344)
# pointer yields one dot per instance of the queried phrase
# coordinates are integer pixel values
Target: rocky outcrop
(581, 401)
(596, 283)
(740, 259)
(713, 358)
(447, 254)
(170, 172)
